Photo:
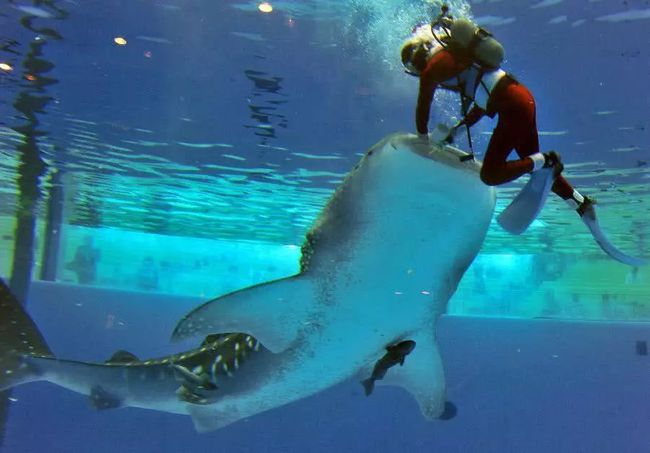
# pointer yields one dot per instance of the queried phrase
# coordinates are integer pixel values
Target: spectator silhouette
(147, 276)
(85, 262)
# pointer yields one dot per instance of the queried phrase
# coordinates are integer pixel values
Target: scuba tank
(464, 36)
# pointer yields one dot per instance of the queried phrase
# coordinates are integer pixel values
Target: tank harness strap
(465, 104)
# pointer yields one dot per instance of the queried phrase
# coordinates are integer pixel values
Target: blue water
(520, 386)
(216, 121)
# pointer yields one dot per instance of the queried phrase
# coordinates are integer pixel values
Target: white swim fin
(521, 212)
(588, 215)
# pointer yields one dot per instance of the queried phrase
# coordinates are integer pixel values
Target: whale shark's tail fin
(19, 336)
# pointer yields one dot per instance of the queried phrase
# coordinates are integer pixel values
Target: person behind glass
(462, 57)
(147, 275)
(85, 262)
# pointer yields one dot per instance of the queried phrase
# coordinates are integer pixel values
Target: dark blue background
(344, 91)
(520, 386)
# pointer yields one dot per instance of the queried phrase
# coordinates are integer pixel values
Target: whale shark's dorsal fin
(272, 312)
(122, 356)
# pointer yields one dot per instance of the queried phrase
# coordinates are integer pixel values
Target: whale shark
(377, 268)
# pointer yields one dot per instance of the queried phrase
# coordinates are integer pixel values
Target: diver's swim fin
(588, 215)
(521, 212)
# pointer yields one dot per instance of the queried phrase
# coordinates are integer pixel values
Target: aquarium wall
(542, 285)
(193, 159)
(135, 261)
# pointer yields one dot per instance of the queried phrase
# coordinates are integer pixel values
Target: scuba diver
(458, 55)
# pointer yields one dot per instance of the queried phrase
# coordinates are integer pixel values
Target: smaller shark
(394, 354)
(176, 383)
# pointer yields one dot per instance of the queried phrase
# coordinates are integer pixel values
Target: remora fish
(379, 265)
(395, 354)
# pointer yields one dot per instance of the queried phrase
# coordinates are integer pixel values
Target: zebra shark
(377, 268)
(168, 383)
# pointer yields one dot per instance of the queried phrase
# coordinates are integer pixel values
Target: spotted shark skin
(378, 267)
(173, 383)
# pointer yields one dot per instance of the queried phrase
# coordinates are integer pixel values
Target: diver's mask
(415, 60)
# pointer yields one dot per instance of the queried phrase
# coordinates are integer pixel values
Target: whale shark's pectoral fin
(272, 312)
(422, 375)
